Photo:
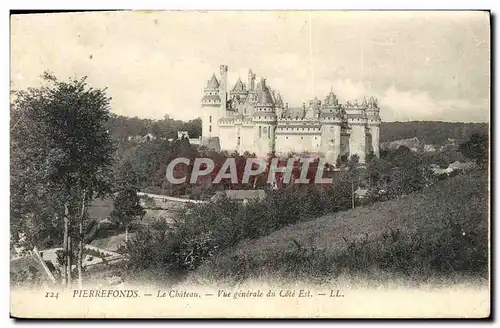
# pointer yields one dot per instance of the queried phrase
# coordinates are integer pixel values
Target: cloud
(420, 65)
(399, 105)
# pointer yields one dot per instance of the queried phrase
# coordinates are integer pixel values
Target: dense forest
(123, 127)
(430, 132)
(426, 132)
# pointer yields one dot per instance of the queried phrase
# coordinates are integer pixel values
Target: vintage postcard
(250, 164)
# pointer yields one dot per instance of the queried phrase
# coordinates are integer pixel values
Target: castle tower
(330, 118)
(265, 121)
(211, 104)
(312, 113)
(251, 81)
(239, 88)
(279, 105)
(223, 89)
(356, 119)
(373, 120)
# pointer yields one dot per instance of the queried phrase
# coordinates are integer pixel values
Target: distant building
(429, 148)
(145, 138)
(242, 196)
(252, 117)
(462, 166)
(182, 134)
(185, 134)
(456, 166)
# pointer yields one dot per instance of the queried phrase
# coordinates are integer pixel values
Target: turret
(356, 119)
(331, 120)
(373, 121)
(251, 81)
(265, 119)
(211, 103)
(223, 89)
(239, 87)
(313, 112)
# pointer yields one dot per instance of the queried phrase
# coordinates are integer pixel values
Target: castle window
(260, 131)
(301, 138)
(209, 128)
(269, 133)
(286, 137)
(210, 119)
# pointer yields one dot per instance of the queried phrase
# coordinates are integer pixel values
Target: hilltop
(427, 132)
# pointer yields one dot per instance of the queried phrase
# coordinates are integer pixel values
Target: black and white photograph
(250, 164)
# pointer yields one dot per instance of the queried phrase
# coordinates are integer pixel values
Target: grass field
(442, 229)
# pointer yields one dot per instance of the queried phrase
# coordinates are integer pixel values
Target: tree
(378, 171)
(476, 148)
(127, 207)
(407, 173)
(341, 161)
(353, 176)
(61, 131)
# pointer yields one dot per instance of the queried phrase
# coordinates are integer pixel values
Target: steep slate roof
(264, 94)
(213, 83)
(238, 86)
(331, 98)
(294, 112)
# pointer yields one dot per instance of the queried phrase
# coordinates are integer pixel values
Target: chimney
(251, 81)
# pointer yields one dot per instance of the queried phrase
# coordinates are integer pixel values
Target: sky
(432, 66)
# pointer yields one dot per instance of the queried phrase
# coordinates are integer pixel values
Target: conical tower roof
(264, 95)
(213, 83)
(238, 86)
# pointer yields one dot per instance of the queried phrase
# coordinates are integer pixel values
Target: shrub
(205, 229)
(418, 255)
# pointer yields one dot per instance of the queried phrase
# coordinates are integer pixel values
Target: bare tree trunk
(68, 268)
(126, 233)
(80, 242)
(67, 248)
(352, 193)
(66, 251)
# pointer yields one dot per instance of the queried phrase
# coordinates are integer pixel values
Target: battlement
(298, 130)
(250, 116)
(298, 120)
(230, 121)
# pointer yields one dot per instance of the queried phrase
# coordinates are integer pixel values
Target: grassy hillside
(443, 230)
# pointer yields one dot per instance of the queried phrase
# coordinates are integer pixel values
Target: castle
(253, 117)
